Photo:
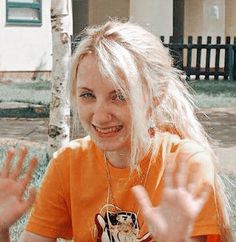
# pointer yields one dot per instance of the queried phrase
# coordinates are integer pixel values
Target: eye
(118, 96)
(87, 95)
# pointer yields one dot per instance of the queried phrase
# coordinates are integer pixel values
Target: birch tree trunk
(59, 121)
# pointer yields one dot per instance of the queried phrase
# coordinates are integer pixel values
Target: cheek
(84, 112)
(125, 116)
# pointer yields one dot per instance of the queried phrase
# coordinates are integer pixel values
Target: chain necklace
(109, 184)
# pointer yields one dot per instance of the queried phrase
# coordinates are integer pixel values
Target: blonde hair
(140, 66)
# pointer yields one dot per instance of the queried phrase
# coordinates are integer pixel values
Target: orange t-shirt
(86, 199)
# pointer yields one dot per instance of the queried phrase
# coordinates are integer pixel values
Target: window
(23, 12)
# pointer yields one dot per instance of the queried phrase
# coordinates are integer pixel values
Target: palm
(181, 202)
(12, 205)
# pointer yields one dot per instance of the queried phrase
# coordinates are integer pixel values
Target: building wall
(80, 15)
(25, 48)
(101, 10)
(230, 18)
(204, 18)
(154, 15)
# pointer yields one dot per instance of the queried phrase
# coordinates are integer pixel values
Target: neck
(118, 159)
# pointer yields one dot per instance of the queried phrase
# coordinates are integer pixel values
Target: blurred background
(201, 37)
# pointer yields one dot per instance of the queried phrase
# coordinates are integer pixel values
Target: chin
(110, 144)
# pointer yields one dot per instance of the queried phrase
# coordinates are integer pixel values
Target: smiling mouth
(108, 130)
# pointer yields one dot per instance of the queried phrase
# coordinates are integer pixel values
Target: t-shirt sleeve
(50, 216)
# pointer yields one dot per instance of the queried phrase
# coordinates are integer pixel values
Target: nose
(101, 113)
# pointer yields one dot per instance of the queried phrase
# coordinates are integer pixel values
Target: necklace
(119, 224)
(110, 193)
(109, 185)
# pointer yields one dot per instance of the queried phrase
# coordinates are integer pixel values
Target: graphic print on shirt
(117, 226)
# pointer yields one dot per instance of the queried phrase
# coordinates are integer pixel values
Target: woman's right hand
(12, 188)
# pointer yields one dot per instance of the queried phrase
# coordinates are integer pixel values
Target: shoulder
(71, 157)
(75, 146)
(192, 152)
(74, 151)
(170, 143)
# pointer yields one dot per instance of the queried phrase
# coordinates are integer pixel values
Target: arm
(31, 237)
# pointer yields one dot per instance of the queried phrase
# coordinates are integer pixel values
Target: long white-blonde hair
(141, 68)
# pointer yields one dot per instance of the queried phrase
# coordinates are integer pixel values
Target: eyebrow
(87, 89)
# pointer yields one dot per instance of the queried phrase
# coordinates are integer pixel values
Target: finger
(204, 192)
(142, 198)
(7, 163)
(202, 197)
(31, 198)
(168, 176)
(27, 204)
(19, 164)
(181, 176)
(194, 178)
(29, 174)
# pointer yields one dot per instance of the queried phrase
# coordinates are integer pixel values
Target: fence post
(227, 58)
(217, 58)
(189, 56)
(230, 62)
(198, 60)
(208, 58)
(234, 58)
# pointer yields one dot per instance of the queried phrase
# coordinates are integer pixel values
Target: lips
(108, 130)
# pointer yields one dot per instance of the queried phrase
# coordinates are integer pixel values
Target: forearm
(4, 236)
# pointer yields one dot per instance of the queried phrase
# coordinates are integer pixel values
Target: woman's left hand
(181, 202)
(12, 188)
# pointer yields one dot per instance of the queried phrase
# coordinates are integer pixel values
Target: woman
(144, 137)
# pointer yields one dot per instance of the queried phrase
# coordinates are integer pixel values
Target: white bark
(59, 122)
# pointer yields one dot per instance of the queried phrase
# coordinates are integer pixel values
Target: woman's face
(104, 113)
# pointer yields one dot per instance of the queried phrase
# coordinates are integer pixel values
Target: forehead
(88, 66)
(89, 74)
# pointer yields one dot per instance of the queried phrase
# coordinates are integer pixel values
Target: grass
(214, 87)
(38, 92)
(214, 93)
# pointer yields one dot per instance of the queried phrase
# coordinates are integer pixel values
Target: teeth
(108, 130)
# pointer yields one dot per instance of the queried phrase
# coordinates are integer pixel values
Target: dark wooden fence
(205, 60)
(200, 60)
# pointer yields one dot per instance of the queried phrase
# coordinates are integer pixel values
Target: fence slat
(230, 70)
(162, 39)
(189, 56)
(217, 58)
(198, 61)
(234, 56)
(227, 58)
(208, 58)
